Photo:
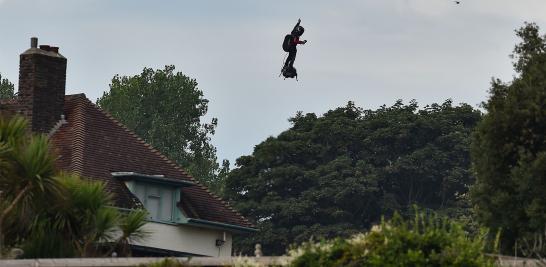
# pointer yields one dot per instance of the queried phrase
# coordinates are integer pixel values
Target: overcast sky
(369, 51)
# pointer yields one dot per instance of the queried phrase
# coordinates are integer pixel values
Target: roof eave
(219, 225)
(151, 178)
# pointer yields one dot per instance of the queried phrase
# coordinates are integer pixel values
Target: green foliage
(26, 176)
(167, 262)
(509, 146)
(426, 240)
(165, 109)
(54, 214)
(6, 89)
(335, 175)
(84, 222)
(132, 230)
(85, 215)
(533, 246)
(45, 241)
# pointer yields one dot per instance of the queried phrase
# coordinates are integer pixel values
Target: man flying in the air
(289, 45)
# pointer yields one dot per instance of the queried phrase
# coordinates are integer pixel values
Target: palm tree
(27, 169)
(85, 216)
(55, 214)
(132, 230)
(86, 219)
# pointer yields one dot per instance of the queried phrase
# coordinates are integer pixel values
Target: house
(185, 217)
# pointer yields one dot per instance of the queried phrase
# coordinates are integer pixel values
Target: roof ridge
(57, 126)
(163, 157)
(78, 143)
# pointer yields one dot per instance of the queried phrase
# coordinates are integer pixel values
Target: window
(159, 200)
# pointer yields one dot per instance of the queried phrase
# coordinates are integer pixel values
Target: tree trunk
(6, 212)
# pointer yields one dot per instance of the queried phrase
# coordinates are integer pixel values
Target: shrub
(167, 262)
(426, 240)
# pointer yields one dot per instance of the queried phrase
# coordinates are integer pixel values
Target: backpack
(287, 43)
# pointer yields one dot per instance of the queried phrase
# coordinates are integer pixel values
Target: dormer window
(158, 194)
(159, 200)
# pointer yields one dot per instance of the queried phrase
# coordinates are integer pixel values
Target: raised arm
(297, 24)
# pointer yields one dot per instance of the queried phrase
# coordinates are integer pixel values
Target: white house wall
(186, 238)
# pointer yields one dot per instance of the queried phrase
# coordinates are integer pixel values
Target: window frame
(162, 189)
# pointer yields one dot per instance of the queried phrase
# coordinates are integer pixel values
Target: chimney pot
(54, 49)
(34, 42)
(45, 47)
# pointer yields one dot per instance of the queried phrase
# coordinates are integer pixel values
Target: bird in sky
(457, 2)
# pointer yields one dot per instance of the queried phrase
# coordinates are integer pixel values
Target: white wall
(189, 239)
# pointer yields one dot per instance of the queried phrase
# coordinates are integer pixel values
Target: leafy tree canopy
(335, 175)
(165, 108)
(6, 89)
(509, 145)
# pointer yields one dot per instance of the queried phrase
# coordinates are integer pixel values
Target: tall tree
(166, 109)
(6, 89)
(335, 175)
(509, 145)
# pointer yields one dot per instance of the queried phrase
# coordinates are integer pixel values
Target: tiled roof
(8, 107)
(93, 144)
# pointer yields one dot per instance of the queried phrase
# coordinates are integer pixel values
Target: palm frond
(13, 130)
(106, 222)
(35, 163)
(132, 226)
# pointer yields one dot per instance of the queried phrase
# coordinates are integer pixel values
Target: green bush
(426, 240)
(167, 262)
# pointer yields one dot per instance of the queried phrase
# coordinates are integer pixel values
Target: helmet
(298, 31)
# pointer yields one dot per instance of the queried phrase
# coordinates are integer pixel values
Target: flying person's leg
(290, 59)
(293, 59)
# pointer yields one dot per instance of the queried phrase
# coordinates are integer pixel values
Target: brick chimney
(42, 79)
